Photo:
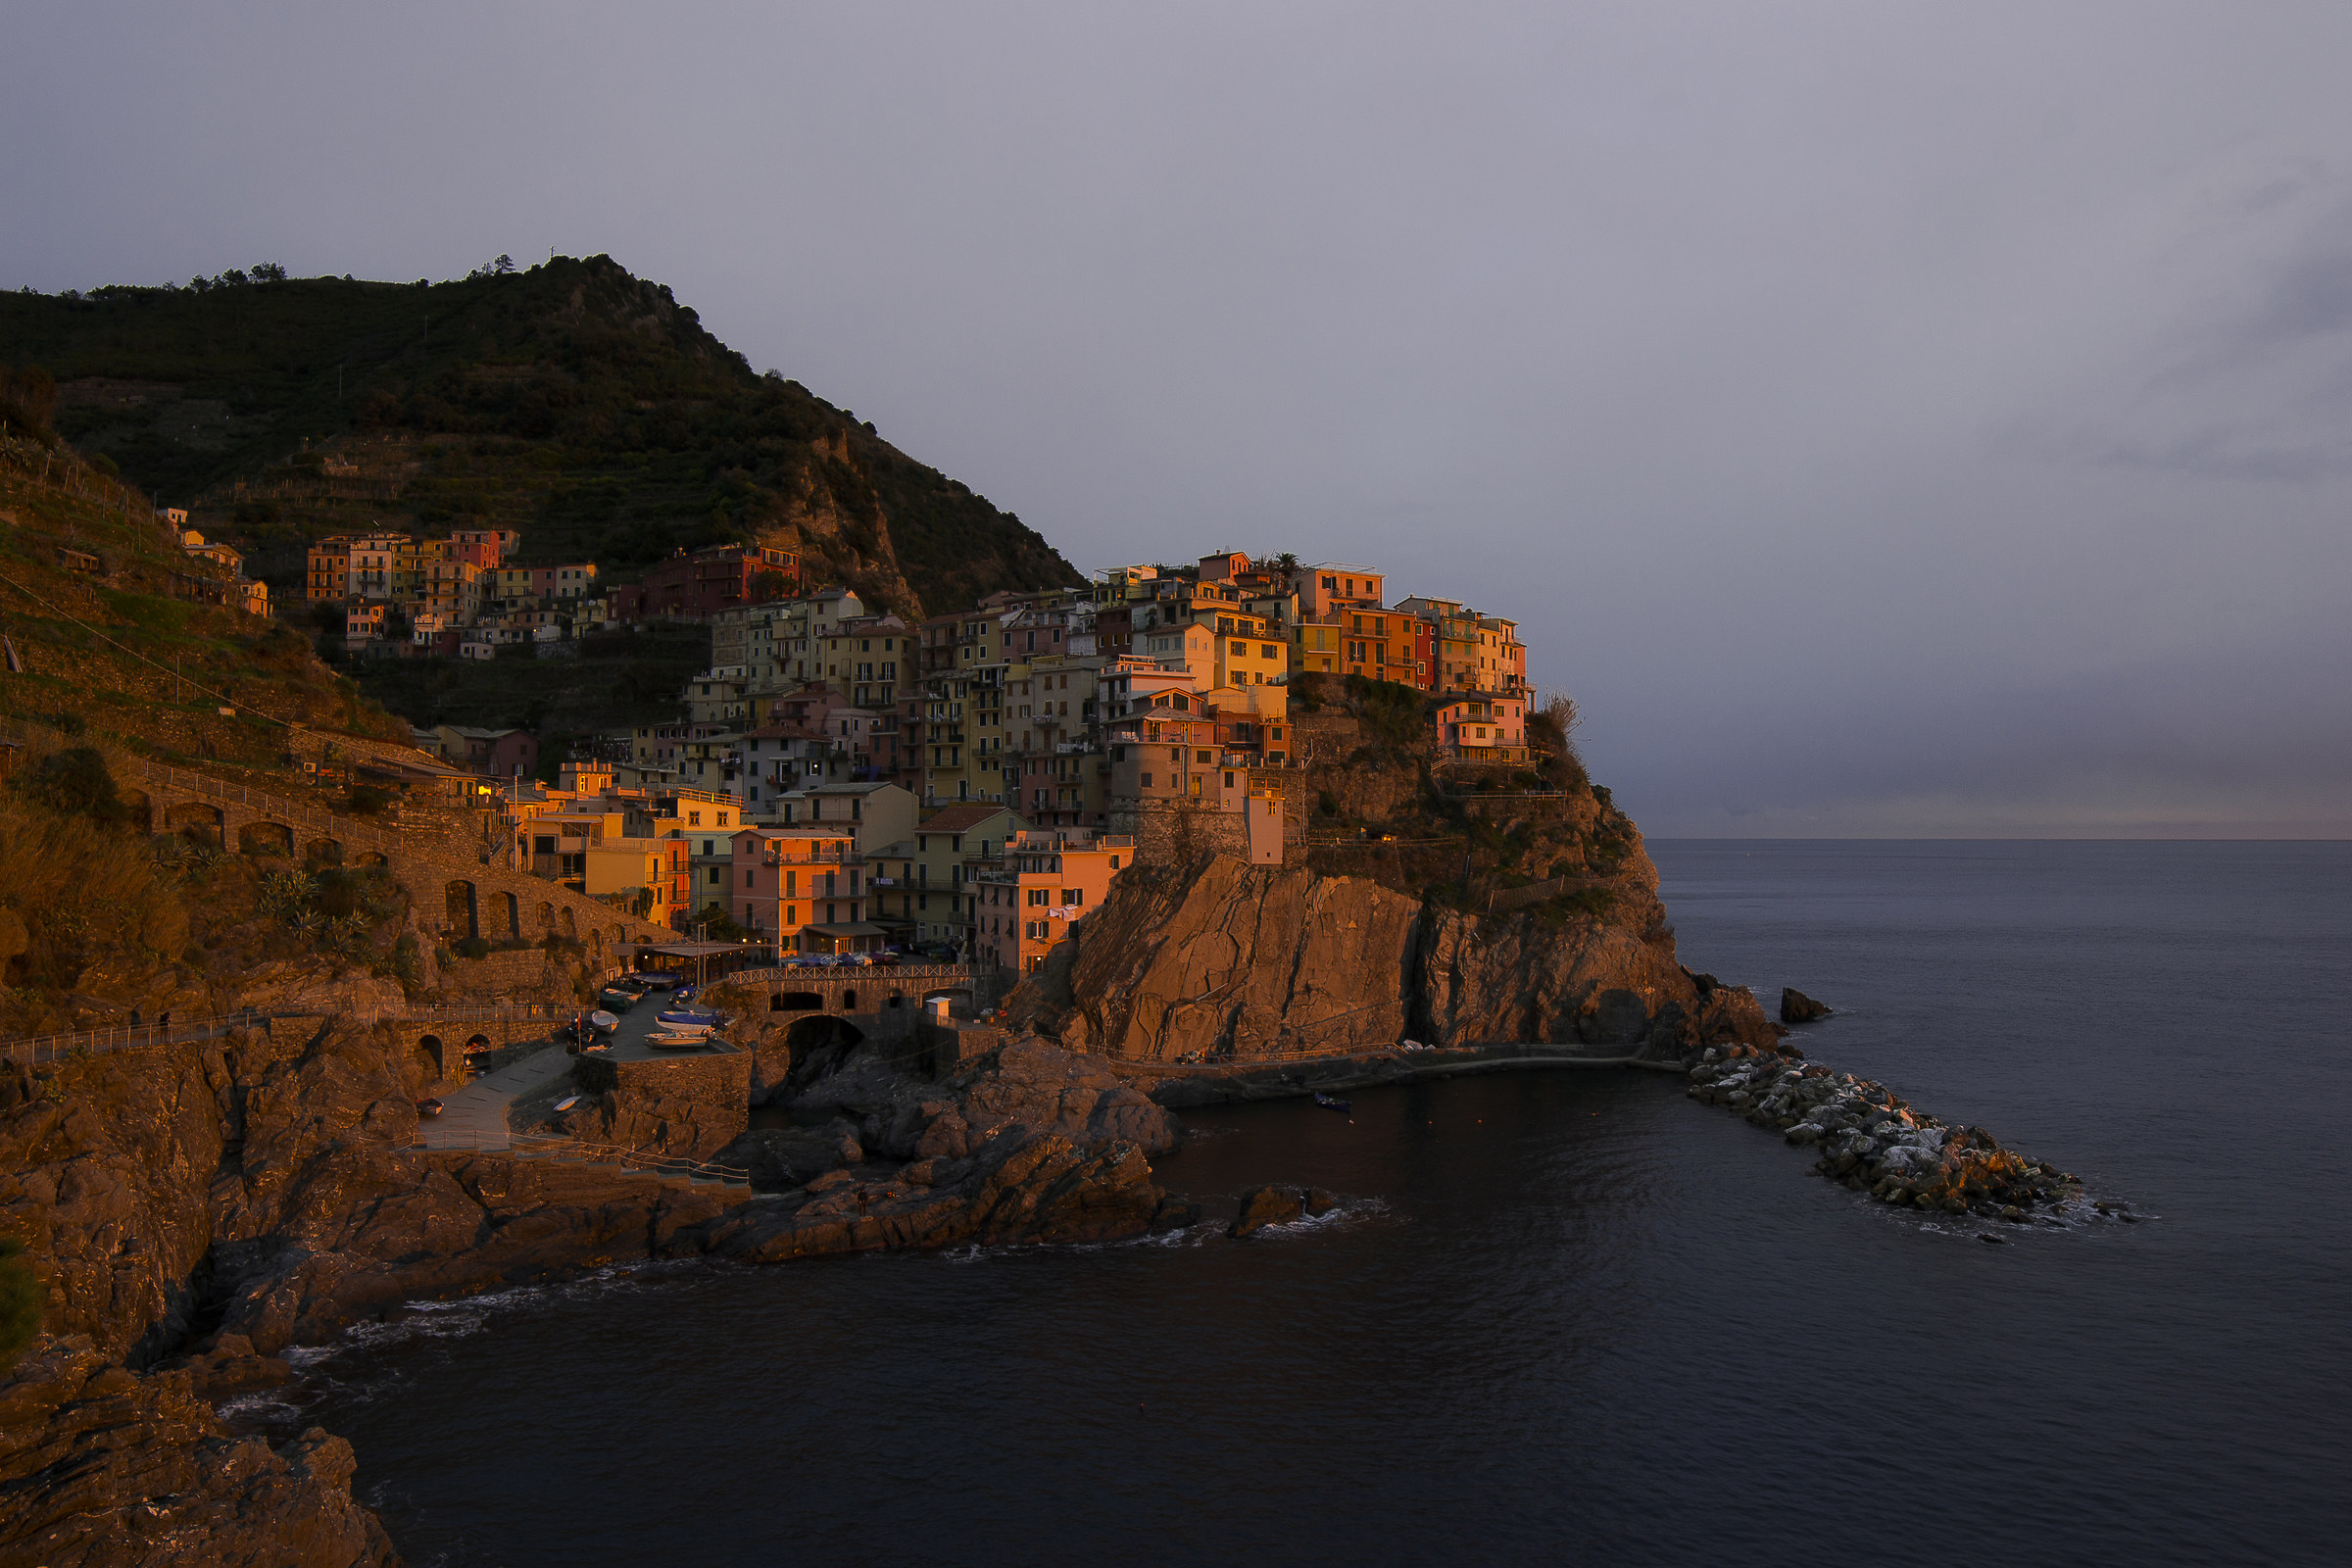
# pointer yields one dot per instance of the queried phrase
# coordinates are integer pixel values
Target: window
(1073, 895)
(747, 879)
(1146, 781)
(1039, 896)
(1201, 756)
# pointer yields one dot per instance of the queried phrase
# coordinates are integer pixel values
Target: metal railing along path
(35, 1048)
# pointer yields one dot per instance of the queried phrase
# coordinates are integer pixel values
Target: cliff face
(1233, 959)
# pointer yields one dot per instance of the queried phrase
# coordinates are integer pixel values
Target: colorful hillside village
(841, 782)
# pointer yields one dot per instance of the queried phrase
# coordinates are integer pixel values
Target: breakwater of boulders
(1871, 1139)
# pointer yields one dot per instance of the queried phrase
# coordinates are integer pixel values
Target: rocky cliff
(192, 1210)
(1227, 960)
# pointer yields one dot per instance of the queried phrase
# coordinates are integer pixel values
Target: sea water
(1562, 1316)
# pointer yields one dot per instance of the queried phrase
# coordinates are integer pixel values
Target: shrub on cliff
(83, 895)
(20, 1302)
(1391, 713)
(76, 783)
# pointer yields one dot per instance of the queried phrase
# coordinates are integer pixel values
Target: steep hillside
(572, 401)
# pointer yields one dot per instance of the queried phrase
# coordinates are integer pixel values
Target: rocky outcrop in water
(1016, 1189)
(1262, 1207)
(1872, 1140)
(1797, 1007)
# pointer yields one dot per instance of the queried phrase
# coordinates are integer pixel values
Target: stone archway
(371, 858)
(138, 809)
(571, 927)
(197, 820)
(514, 920)
(819, 1044)
(461, 909)
(324, 852)
(547, 919)
(430, 1047)
(265, 837)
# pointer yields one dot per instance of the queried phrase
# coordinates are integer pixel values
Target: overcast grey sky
(1917, 418)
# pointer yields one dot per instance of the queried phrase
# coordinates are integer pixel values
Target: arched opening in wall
(322, 852)
(819, 1047)
(265, 838)
(371, 858)
(138, 809)
(196, 820)
(571, 927)
(514, 915)
(547, 919)
(849, 1002)
(480, 1042)
(794, 1002)
(596, 946)
(460, 912)
(429, 1047)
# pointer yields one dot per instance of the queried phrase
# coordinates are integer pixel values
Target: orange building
(801, 889)
(1033, 894)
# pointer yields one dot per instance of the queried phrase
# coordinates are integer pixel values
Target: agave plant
(343, 932)
(286, 896)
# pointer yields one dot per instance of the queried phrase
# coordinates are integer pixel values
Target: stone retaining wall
(691, 1106)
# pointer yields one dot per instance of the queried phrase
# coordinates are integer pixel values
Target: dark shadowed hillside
(572, 401)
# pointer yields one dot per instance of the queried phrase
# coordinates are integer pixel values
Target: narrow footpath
(475, 1116)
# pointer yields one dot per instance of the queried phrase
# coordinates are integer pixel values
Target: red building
(1115, 632)
(707, 582)
(1424, 655)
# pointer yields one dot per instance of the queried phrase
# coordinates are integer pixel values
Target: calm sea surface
(1564, 1316)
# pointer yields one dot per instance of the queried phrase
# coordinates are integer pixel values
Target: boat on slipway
(686, 1020)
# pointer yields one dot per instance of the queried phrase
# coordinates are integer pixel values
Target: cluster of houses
(464, 597)
(841, 781)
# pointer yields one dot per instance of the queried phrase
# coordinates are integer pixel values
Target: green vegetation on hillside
(617, 679)
(574, 401)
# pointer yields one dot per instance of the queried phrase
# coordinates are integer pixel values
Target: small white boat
(604, 1024)
(674, 1041)
(686, 1020)
(566, 1103)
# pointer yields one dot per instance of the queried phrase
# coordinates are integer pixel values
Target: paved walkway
(475, 1116)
